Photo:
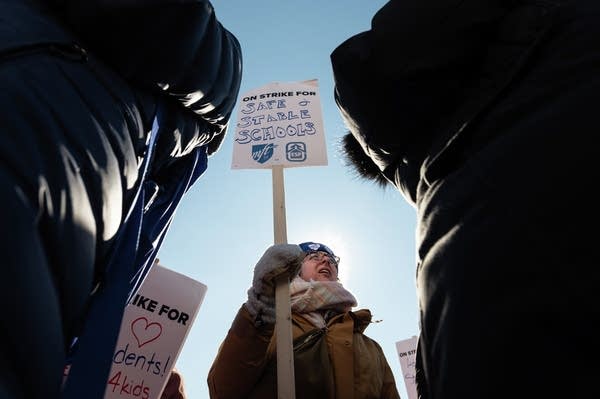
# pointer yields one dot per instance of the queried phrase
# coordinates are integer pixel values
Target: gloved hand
(174, 388)
(277, 260)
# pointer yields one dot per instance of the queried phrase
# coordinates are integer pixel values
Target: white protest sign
(280, 124)
(407, 352)
(155, 325)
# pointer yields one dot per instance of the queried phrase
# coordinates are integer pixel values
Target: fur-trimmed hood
(400, 85)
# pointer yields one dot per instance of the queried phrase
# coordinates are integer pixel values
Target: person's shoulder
(362, 318)
(363, 313)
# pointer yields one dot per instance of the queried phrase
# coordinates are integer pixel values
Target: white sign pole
(283, 317)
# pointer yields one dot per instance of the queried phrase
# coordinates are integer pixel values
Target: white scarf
(313, 298)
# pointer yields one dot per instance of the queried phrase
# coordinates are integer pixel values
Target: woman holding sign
(332, 356)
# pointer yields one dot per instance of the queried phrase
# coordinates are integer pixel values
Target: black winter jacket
(483, 113)
(80, 86)
(453, 61)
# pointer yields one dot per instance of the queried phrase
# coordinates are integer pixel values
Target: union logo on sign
(261, 153)
(295, 152)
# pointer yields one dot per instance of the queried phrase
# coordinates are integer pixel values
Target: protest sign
(407, 353)
(155, 325)
(280, 124)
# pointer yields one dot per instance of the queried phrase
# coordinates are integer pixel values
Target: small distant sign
(155, 325)
(407, 353)
(280, 124)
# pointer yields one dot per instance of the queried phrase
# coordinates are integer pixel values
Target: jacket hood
(394, 109)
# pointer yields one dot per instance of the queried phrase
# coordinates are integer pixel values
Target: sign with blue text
(155, 325)
(280, 124)
(407, 353)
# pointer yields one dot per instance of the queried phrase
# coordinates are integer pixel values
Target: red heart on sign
(145, 332)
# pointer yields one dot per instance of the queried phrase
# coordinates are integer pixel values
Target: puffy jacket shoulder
(177, 46)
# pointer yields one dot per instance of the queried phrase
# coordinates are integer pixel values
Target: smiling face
(319, 266)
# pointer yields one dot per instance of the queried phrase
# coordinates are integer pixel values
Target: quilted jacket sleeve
(178, 46)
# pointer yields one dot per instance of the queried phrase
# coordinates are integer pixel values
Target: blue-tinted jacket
(85, 200)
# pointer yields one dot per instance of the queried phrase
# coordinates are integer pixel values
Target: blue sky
(225, 222)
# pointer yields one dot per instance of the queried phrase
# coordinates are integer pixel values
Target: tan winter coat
(359, 366)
